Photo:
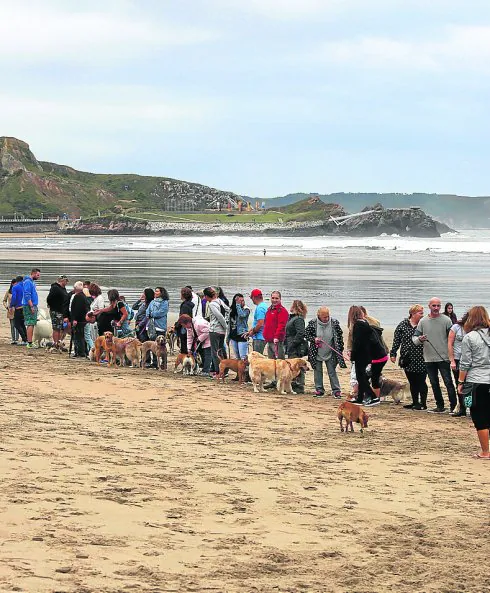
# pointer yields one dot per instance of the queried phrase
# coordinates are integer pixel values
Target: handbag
(150, 328)
(404, 360)
(467, 394)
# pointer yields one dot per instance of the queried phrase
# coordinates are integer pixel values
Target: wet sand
(131, 480)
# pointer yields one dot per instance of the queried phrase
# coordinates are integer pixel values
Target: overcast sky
(261, 97)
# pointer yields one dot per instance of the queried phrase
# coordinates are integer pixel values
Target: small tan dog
(281, 371)
(351, 413)
(394, 389)
(186, 363)
(171, 339)
(237, 365)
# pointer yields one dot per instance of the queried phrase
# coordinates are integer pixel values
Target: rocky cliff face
(406, 222)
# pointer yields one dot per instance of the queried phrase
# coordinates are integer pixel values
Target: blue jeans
(433, 370)
(240, 349)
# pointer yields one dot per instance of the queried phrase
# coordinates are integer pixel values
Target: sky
(259, 97)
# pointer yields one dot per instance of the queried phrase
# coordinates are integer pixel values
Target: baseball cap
(256, 292)
(62, 277)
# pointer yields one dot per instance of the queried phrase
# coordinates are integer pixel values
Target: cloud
(459, 47)
(34, 33)
(284, 9)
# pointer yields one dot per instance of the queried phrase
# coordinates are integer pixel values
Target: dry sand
(133, 480)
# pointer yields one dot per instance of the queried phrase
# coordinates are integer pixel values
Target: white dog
(43, 330)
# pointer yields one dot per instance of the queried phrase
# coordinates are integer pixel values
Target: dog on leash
(158, 349)
(281, 371)
(351, 413)
(186, 363)
(394, 389)
(105, 343)
(233, 364)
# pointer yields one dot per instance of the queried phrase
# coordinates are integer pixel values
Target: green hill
(31, 187)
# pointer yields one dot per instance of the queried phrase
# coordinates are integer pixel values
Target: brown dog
(351, 413)
(237, 365)
(105, 343)
(188, 364)
(171, 339)
(159, 350)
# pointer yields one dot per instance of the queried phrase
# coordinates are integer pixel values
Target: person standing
(17, 309)
(198, 339)
(78, 309)
(218, 325)
(30, 303)
(474, 374)
(257, 330)
(326, 346)
(411, 358)
(158, 310)
(296, 345)
(365, 350)
(57, 301)
(187, 307)
(454, 341)
(432, 331)
(238, 334)
(449, 311)
(140, 318)
(275, 322)
(14, 334)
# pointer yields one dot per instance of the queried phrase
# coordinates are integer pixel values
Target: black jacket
(79, 307)
(58, 300)
(295, 335)
(367, 342)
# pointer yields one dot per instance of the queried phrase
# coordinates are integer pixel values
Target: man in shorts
(57, 302)
(30, 303)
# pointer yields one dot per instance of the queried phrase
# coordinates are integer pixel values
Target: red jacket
(275, 323)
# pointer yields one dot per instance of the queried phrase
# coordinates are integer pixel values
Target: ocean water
(386, 274)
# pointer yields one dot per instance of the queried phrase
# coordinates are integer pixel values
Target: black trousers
(362, 378)
(79, 340)
(19, 323)
(418, 387)
(433, 370)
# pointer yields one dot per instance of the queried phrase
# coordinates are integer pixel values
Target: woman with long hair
(186, 308)
(14, 334)
(474, 374)
(238, 338)
(296, 345)
(158, 310)
(111, 317)
(411, 357)
(449, 312)
(367, 348)
(140, 318)
(454, 342)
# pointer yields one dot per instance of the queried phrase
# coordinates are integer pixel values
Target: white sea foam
(475, 241)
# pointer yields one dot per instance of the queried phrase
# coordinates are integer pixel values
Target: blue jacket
(158, 309)
(30, 292)
(17, 295)
(242, 314)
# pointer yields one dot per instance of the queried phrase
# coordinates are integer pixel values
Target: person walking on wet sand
(432, 331)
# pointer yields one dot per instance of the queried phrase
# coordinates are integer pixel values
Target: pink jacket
(201, 327)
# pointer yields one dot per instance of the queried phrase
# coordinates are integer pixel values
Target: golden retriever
(105, 343)
(133, 352)
(281, 371)
(351, 413)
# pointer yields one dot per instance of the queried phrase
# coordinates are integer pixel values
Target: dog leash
(429, 342)
(333, 349)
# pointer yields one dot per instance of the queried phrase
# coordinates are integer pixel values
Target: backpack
(130, 312)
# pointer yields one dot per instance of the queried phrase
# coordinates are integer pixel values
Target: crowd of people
(434, 345)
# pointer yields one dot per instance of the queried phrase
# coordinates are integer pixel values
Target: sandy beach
(137, 480)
